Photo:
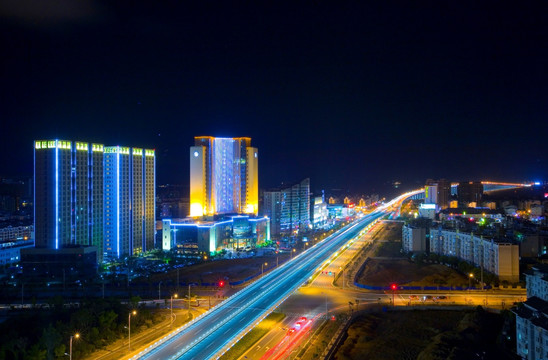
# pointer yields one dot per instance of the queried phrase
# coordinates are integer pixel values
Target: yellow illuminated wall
(197, 182)
(252, 181)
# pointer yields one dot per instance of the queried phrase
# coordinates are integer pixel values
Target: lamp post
(171, 307)
(129, 328)
(470, 276)
(189, 298)
(70, 344)
(342, 269)
(262, 268)
(159, 296)
(292, 251)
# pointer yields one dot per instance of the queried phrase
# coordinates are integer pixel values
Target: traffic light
(221, 283)
(394, 287)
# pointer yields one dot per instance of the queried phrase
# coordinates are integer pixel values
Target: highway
(213, 333)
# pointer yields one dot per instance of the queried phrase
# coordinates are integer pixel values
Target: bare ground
(381, 272)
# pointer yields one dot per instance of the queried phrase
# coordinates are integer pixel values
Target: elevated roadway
(210, 335)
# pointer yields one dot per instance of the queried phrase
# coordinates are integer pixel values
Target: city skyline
(352, 96)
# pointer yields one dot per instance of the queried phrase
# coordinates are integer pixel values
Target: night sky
(352, 95)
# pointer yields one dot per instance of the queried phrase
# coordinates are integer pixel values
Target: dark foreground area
(430, 334)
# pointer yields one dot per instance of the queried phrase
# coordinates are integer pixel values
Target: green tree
(36, 353)
(50, 340)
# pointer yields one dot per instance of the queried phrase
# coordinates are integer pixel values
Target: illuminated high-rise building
(223, 176)
(68, 203)
(90, 195)
(129, 193)
(288, 208)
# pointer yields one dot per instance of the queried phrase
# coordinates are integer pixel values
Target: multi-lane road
(214, 332)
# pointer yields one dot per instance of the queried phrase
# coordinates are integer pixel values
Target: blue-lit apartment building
(89, 195)
(129, 201)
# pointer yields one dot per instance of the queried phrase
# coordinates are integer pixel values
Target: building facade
(129, 192)
(288, 208)
(68, 194)
(413, 238)
(320, 215)
(89, 195)
(532, 316)
(232, 233)
(223, 176)
(470, 192)
(499, 258)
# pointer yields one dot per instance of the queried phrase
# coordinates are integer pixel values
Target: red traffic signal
(221, 283)
(394, 287)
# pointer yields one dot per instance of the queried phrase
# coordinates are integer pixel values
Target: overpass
(214, 332)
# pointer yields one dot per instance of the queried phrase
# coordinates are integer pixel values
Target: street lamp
(262, 268)
(343, 269)
(129, 328)
(292, 251)
(70, 344)
(470, 276)
(189, 298)
(172, 296)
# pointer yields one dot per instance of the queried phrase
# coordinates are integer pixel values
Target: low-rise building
(228, 233)
(10, 251)
(413, 238)
(498, 257)
(532, 316)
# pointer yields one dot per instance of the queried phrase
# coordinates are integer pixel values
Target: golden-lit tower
(223, 176)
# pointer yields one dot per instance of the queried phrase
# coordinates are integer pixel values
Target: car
(441, 297)
(302, 319)
(291, 331)
(298, 326)
(413, 297)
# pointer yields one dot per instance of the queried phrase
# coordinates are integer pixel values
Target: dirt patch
(227, 270)
(381, 272)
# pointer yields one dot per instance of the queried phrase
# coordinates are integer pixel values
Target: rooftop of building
(535, 310)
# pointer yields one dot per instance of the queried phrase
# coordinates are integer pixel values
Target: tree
(50, 339)
(36, 353)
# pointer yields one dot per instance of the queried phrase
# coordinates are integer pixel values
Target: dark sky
(352, 95)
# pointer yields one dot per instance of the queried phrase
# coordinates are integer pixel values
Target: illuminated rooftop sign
(81, 146)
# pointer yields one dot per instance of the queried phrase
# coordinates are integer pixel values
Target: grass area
(432, 334)
(253, 336)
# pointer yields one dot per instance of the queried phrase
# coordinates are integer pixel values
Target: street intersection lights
(129, 327)
(70, 344)
(394, 287)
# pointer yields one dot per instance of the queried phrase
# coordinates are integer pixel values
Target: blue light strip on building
(118, 202)
(56, 195)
